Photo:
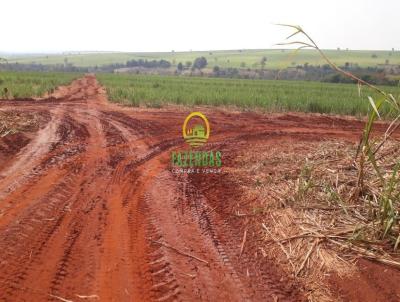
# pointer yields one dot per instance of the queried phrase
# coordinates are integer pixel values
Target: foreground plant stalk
(368, 149)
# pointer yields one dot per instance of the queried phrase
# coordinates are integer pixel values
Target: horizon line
(81, 52)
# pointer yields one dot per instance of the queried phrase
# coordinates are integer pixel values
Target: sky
(163, 25)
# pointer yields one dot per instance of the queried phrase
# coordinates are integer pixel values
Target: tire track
(91, 200)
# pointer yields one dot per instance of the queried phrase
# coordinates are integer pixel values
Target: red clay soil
(90, 210)
(374, 282)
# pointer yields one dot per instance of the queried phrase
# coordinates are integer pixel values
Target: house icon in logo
(198, 134)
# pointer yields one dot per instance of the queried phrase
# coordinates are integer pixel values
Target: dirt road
(90, 211)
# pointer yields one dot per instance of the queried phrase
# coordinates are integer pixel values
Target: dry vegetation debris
(14, 121)
(309, 211)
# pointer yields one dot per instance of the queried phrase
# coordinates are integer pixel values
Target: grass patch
(269, 95)
(31, 84)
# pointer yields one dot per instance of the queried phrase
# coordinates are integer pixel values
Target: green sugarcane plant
(368, 148)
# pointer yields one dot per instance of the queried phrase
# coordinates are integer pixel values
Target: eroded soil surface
(90, 210)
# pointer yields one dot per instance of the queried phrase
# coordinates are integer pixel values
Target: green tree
(263, 61)
(180, 66)
(200, 63)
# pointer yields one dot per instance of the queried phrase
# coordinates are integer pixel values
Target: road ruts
(90, 211)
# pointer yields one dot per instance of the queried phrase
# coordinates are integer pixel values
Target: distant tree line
(307, 72)
(41, 67)
(199, 63)
(324, 73)
(148, 64)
